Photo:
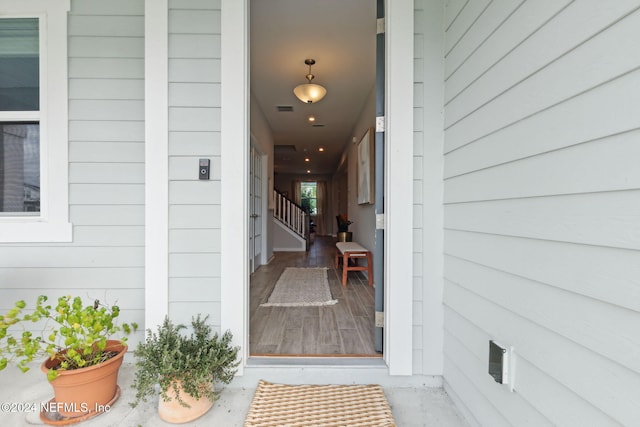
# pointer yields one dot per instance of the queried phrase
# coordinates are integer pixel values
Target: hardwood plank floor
(345, 328)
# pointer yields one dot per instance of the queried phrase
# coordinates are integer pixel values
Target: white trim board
(156, 273)
(234, 172)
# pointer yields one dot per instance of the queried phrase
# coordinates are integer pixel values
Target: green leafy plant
(343, 222)
(195, 361)
(75, 335)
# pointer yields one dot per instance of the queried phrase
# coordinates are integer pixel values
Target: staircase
(292, 216)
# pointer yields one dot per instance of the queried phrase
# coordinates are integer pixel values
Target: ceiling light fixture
(306, 159)
(311, 119)
(321, 149)
(309, 92)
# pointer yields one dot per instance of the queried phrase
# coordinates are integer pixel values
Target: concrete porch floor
(411, 406)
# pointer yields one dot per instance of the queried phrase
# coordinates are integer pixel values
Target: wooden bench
(346, 251)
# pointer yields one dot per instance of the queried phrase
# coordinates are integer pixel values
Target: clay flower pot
(173, 412)
(86, 391)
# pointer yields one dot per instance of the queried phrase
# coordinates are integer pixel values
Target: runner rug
(299, 287)
(319, 406)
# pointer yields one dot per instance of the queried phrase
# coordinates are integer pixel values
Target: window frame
(315, 184)
(52, 224)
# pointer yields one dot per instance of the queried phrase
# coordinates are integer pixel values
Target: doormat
(298, 287)
(319, 406)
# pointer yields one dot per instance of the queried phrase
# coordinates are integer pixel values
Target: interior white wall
(363, 216)
(263, 138)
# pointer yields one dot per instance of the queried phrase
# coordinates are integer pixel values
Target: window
(309, 197)
(19, 168)
(33, 121)
(20, 102)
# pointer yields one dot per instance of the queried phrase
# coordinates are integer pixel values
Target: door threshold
(316, 360)
(317, 355)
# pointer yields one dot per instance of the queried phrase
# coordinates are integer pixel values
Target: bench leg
(345, 270)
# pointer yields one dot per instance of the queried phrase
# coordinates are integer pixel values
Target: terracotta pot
(173, 412)
(79, 392)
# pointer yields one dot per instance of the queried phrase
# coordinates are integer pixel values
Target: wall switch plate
(203, 173)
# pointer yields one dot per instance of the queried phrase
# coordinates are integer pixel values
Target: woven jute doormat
(319, 406)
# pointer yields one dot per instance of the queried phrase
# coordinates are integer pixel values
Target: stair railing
(291, 214)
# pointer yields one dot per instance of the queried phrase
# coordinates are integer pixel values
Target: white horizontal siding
(188, 143)
(194, 133)
(105, 260)
(541, 198)
(106, 194)
(427, 185)
(122, 68)
(67, 278)
(203, 70)
(103, 131)
(92, 88)
(575, 218)
(486, 24)
(102, 26)
(116, 215)
(603, 165)
(112, 7)
(109, 152)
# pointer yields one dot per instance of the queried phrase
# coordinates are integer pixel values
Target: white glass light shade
(309, 92)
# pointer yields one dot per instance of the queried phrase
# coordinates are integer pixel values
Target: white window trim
(52, 225)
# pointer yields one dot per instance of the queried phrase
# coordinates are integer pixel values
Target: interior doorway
(348, 328)
(399, 129)
(256, 208)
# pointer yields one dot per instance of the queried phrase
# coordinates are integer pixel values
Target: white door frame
(398, 351)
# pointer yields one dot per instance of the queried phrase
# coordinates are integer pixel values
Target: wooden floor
(345, 328)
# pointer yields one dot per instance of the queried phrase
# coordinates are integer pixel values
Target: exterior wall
(194, 132)
(427, 187)
(542, 200)
(105, 260)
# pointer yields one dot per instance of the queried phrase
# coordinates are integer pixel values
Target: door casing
(398, 220)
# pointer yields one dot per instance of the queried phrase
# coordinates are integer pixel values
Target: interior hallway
(345, 328)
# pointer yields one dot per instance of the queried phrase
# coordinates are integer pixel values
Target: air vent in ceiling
(284, 148)
(317, 126)
(284, 108)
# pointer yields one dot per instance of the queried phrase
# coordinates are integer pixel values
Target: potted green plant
(82, 362)
(185, 366)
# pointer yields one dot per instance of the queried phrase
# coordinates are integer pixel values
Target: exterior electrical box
(499, 362)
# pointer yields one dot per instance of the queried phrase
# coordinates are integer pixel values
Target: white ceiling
(340, 35)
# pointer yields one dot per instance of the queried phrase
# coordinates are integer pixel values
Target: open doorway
(314, 143)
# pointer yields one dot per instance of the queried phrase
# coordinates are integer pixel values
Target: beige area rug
(319, 406)
(298, 287)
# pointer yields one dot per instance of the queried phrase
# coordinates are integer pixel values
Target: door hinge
(380, 124)
(379, 319)
(380, 221)
(380, 26)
